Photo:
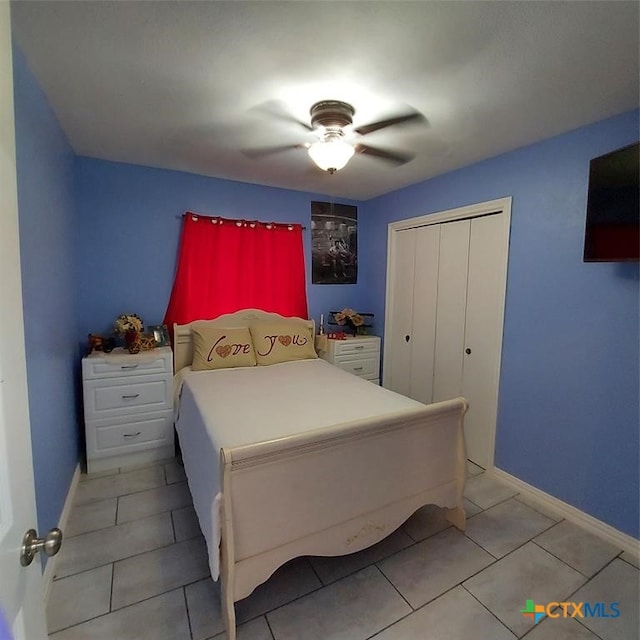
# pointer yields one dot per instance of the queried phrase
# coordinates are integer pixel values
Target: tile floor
(134, 566)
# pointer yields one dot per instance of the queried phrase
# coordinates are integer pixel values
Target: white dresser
(359, 355)
(128, 404)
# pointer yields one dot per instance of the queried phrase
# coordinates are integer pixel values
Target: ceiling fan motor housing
(331, 114)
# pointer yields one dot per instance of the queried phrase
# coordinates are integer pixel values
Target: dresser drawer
(130, 435)
(365, 366)
(103, 398)
(355, 346)
(123, 364)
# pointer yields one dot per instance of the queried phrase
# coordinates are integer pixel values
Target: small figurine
(99, 343)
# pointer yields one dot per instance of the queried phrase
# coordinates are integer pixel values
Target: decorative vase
(132, 341)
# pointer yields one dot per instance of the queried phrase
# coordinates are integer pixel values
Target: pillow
(215, 347)
(282, 341)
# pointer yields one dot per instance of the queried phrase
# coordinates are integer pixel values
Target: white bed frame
(356, 483)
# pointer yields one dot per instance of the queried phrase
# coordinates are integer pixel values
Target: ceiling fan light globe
(331, 155)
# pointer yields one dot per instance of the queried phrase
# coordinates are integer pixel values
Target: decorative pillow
(282, 341)
(220, 348)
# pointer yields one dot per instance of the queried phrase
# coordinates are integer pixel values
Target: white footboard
(335, 491)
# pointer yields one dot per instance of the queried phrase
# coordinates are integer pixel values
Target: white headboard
(182, 343)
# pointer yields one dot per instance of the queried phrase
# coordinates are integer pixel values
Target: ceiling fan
(331, 122)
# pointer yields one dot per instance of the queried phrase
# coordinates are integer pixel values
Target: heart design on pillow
(284, 340)
(223, 350)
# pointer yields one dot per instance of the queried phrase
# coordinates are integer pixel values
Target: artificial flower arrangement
(128, 322)
(349, 317)
(131, 327)
(358, 323)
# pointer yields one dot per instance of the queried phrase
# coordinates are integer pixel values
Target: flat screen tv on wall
(613, 218)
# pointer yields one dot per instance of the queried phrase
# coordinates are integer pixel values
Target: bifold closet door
(401, 301)
(451, 309)
(413, 300)
(486, 286)
(425, 302)
(445, 337)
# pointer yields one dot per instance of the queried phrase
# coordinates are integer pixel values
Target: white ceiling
(186, 85)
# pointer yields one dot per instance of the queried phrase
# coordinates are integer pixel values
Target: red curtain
(227, 265)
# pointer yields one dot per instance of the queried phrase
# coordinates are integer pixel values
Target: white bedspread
(232, 407)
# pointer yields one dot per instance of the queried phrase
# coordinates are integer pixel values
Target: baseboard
(50, 568)
(562, 509)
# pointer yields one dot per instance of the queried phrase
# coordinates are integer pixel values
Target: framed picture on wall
(334, 243)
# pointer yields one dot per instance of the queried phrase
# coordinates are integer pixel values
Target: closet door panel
(425, 296)
(398, 366)
(452, 300)
(483, 337)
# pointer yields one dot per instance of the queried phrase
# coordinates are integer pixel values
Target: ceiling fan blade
(277, 110)
(414, 116)
(262, 152)
(394, 157)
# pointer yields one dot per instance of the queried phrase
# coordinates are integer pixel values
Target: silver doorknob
(31, 544)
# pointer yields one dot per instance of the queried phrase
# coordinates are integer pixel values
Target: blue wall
(128, 218)
(568, 408)
(45, 165)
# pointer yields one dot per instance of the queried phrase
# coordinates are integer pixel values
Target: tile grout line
(483, 509)
(173, 527)
(271, 631)
(384, 575)
(532, 539)
(584, 575)
(317, 575)
(162, 546)
(132, 604)
(186, 610)
(117, 510)
(102, 615)
(521, 501)
(133, 493)
(619, 556)
(113, 572)
(503, 624)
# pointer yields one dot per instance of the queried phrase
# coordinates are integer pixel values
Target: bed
(302, 458)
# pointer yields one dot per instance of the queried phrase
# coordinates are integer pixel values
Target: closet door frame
(500, 205)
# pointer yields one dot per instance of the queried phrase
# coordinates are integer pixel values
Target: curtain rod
(182, 215)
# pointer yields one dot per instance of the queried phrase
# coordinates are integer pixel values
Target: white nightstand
(359, 355)
(128, 404)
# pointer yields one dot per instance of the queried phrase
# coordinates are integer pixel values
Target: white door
(451, 309)
(471, 287)
(423, 326)
(399, 327)
(20, 588)
(486, 285)
(411, 329)
(456, 304)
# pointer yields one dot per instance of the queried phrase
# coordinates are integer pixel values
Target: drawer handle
(358, 368)
(131, 435)
(358, 346)
(130, 397)
(128, 366)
